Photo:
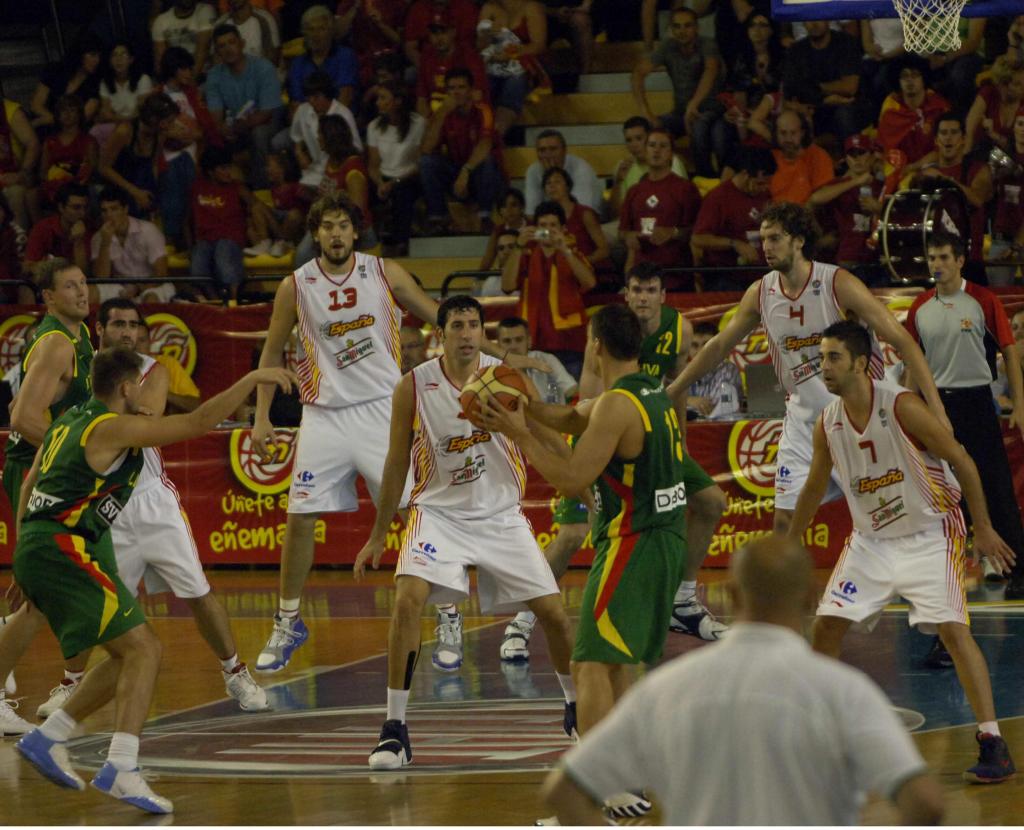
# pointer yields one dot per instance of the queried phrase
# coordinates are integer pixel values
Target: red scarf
(552, 305)
(910, 130)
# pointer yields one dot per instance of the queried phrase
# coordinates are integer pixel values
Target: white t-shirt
(754, 730)
(252, 32)
(397, 158)
(304, 129)
(123, 101)
(183, 31)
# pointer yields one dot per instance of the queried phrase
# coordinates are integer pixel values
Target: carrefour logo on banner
(170, 336)
(753, 447)
(264, 477)
(12, 339)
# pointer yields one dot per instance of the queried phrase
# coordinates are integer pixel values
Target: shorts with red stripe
(74, 583)
(627, 602)
(925, 568)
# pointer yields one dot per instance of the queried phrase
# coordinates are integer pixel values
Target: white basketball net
(930, 25)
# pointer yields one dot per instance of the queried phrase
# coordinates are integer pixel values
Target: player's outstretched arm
(396, 469)
(853, 295)
(919, 423)
(563, 418)
(718, 348)
(282, 321)
(817, 484)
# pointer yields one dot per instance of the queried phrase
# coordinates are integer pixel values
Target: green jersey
(78, 391)
(68, 490)
(659, 351)
(646, 492)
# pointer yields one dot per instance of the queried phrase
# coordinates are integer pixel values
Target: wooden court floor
(482, 737)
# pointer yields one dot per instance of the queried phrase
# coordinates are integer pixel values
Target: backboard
(857, 9)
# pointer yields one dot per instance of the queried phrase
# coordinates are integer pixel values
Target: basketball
(501, 382)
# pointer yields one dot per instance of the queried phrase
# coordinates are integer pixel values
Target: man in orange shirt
(801, 167)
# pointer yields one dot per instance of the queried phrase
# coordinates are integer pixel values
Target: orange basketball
(500, 382)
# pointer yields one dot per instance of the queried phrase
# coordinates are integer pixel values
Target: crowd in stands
(252, 109)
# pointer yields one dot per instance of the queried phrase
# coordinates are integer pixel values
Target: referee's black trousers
(976, 426)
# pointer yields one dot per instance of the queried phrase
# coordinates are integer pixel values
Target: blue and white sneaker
(393, 750)
(448, 651)
(131, 788)
(50, 758)
(287, 636)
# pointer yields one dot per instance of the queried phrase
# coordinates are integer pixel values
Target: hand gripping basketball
(501, 382)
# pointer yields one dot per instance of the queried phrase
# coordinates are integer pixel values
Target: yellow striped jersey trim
(41, 338)
(99, 419)
(639, 406)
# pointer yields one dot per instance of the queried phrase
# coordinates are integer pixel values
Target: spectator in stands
(801, 166)
(387, 68)
(634, 166)
(512, 211)
(553, 152)
(187, 24)
(1008, 222)
(719, 394)
(272, 7)
(70, 153)
(19, 155)
(177, 81)
(12, 249)
(728, 227)
(551, 278)
(556, 386)
(953, 168)
(461, 154)
(443, 51)
(417, 21)
(244, 97)
(832, 60)
(182, 393)
(78, 75)
(372, 29)
(345, 169)
(851, 204)
(122, 89)
(582, 226)
(989, 122)
(1015, 41)
(506, 243)
(658, 214)
(275, 228)
(65, 234)
(414, 347)
(257, 28)
(218, 223)
(322, 53)
(695, 69)
(127, 247)
(512, 35)
(571, 20)
(954, 73)
(129, 159)
(908, 117)
(394, 138)
(801, 96)
(321, 99)
(882, 41)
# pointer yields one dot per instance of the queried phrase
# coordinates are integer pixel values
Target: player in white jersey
(795, 302)
(464, 511)
(893, 460)
(345, 305)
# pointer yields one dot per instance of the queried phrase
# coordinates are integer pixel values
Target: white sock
(73, 676)
(59, 726)
(568, 687)
(398, 699)
(989, 727)
(229, 665)
(526, 618)
(686, 591)
(124, 751)
(448, 608)
(288, 609)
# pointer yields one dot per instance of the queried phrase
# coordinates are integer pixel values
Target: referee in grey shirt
(960, 326)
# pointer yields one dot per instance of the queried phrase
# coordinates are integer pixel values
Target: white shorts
(334, 446)
(926, 568)
(511, 568)
(153, 542)
(796, 448)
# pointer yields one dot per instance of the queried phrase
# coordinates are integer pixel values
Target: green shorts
(627, 601)
(571, 512)
(694, 476)
(14, 474)
(75, 585)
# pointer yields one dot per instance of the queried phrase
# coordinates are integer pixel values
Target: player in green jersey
(64, 565)
(631, 444)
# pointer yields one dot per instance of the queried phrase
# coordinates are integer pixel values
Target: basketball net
(930, 25)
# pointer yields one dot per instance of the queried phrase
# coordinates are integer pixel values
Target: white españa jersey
(464, 471)
(152, 460)
(893, 487)
(793, 327)
(348, 334)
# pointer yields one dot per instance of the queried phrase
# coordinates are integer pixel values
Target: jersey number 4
(348, 299)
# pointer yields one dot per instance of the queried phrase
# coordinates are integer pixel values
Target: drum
(908, 220)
